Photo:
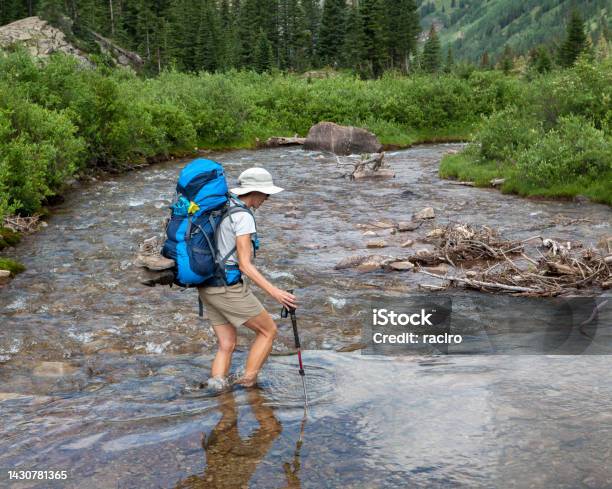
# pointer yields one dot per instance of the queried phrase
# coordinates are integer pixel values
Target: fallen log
(466, 184)
(283, 141)
(480, 284)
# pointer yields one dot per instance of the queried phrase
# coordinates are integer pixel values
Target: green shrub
(505, 133)
(576, 149)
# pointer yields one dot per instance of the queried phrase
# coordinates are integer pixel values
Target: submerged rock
(341, 140)
(380, 243)
(401, 265)
(404, 226)
(426, 213)
(53, 369)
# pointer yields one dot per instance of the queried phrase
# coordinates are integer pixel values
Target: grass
(465, 167)
(8, 238)
(11, 265)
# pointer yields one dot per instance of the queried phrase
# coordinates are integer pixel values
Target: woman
(233, 304)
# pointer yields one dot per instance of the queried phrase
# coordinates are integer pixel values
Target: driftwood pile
(22, 224)
(368, 166)
(496, 264)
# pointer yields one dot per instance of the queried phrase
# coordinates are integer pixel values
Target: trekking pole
(291, 312)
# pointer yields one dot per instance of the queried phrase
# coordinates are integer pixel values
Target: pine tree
(507, 60)
(51, 10)
(402, 31)
(575, 41)
(207, 49)
(263, 59)
(354, 41)
(450, 62)
(485, 64)
(375, 36)
(248, 31)
(312, 20)
(540, 60)
(431, 52)
(299, 38)
(332, 30)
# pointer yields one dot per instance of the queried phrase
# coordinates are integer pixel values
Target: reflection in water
(231, 459)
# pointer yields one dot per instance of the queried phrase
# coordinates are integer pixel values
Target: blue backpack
(203, 201)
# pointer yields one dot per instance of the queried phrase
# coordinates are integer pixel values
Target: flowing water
(97, 371)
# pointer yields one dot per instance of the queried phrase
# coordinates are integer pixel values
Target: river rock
(341, 140)
(5, 277)
(426, 213)
(370, 233)
(407, 244)
(378, 243)
(401, 265)
(383, 224)
(53, 369)
(373, 262)
(404, 226)
(442, 269)
(380, 173)
(351, 261)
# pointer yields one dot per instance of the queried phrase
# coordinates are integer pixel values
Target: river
(96, 370)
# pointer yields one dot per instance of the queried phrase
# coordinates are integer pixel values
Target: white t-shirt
(236, 224)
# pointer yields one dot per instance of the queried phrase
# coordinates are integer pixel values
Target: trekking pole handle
(285, 312)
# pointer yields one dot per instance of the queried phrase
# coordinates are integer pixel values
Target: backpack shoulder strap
(227, 212)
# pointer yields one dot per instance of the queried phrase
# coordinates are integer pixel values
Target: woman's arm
(243, 250)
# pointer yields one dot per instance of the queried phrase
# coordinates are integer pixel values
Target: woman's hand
(284, 298)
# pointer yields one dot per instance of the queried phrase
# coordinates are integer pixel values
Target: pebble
(376, 243)
(408, 243)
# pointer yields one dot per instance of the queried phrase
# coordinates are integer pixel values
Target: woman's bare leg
(226, 334)
(266, 330)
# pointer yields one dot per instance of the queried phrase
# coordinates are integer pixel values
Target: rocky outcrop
(40, 38)
(341, 140)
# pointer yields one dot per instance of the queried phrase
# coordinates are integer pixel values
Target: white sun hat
(256, 180)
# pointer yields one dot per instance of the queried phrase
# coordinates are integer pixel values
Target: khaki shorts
(235, 304)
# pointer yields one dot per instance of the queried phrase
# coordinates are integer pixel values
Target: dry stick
(512, 288)
(531, 260)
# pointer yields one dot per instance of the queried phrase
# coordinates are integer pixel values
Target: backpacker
(203, 200)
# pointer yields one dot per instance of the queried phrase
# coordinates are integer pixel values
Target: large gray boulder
(40, 38)
(341, 140)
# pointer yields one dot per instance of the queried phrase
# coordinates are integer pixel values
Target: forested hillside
(369, 36)
(257, 34)
(475, 27)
